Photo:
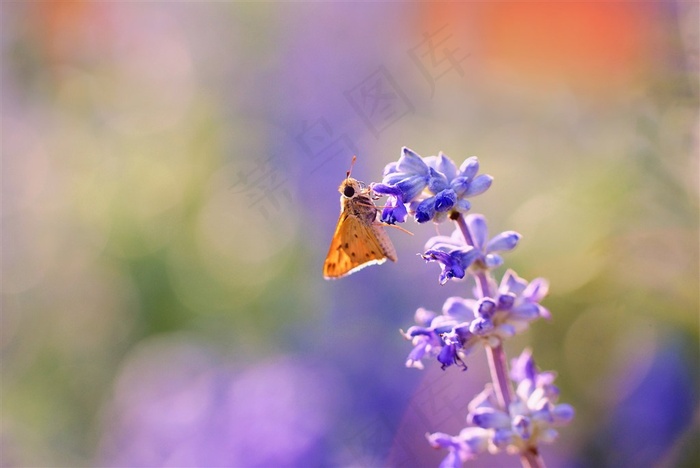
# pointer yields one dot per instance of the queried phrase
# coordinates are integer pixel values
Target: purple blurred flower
(175, 405)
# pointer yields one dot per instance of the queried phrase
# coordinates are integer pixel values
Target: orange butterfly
(359, 239)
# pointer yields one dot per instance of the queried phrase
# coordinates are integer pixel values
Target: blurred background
(169, 191)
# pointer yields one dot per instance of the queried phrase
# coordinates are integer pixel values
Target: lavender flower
(499, 418)
(521, 299)
(455, 255)
(531, 418)
(440, 336)
(534, 414)
(466, 323)
(433, 187)
(516, 305)
(453, 263)
(395, 210)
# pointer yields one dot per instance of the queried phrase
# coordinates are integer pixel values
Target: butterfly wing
(356, 245)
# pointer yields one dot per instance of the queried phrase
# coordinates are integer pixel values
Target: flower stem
(482, 276)
(499, 375)
(496, 356)
(532, 459)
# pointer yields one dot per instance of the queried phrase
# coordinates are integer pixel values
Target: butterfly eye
(348, 191)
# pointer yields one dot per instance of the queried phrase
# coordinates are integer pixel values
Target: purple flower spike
(432, 186)
(504, 417)
(529, 420)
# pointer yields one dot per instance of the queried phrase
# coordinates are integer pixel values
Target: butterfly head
(351, 188)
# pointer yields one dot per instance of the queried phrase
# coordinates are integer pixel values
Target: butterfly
(359, 239)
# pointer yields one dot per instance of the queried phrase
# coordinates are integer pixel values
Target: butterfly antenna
(352, 163)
